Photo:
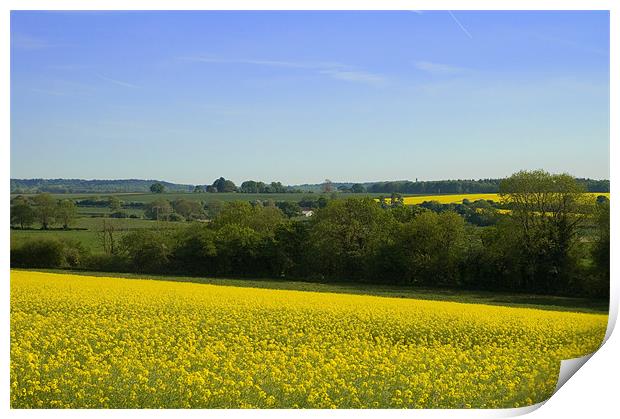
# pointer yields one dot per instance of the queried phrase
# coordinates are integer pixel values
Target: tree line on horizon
(458, 186)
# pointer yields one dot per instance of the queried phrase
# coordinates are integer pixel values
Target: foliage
(429, 249)
(45, 209)
(90, 186)
(290, 209)
(47, 253)
(601, 249)
(547, 211)
(261, 219)
(66, 212)
(195, 250)
(345, 236)
(237, 249)
(158, 210)
(147, 250)
(22, 213)
(106, 262)
(541, 236)
(119, 214)
(251, 186)
(404, 187)
(188, 209)
(157, 188)
(224, 185)
(115, 203)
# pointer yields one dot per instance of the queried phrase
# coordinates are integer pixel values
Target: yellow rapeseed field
(457, 199)
(450, 199)
(79, 341)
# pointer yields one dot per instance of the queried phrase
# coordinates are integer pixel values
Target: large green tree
(601, 249)
(224, 185)
(547, 210)
(66, 212)
(45, 209)
(157, 188)
(22, 213)
(249, 186)
(195, 249)
(148, 250)
(346, 235)
(263, 220)
(160, 209)
(189, 209)
(428, 249)
(238, 250)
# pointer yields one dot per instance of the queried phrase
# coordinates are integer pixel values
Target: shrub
(147, 250)
(176, 217)
(47, 253)
(106, 263)
(119, 214)
(194, 250)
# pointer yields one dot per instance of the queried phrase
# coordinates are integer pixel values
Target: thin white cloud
(270, 63)
(67, 67)
(48, 92)
(117, 82)
(355, 76)
(333, 70)
(27, 42)
(437, 68)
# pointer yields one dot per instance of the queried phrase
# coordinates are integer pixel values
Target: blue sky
(303, 96)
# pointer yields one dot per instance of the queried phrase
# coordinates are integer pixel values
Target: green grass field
(207, 197)
(105, 211)
(85, 229)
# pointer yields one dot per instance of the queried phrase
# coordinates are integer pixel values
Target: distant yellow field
(91, 342)
(457, 199)
(449, 199)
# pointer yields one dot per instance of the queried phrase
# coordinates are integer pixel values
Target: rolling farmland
(89, 219)
(205, 197)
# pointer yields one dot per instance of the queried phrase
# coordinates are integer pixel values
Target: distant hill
(430, 187)
(385, 187)
(91, 186)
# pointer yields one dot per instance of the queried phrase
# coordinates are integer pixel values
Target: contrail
(460, 24)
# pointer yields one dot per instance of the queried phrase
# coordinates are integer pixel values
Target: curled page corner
(519, 411)
(568, 367)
